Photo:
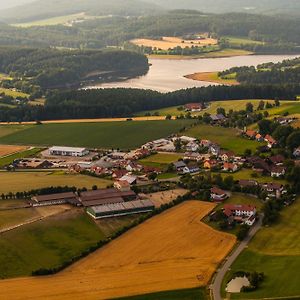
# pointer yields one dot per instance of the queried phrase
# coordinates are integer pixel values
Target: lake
(167, 75)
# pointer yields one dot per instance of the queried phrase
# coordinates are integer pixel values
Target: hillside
(222, 6)
(42, 9)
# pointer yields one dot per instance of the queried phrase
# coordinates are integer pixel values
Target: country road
(221, 272)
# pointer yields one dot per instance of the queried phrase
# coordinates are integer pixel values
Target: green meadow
(123, 135)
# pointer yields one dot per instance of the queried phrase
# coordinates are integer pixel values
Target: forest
(278, 32)
(286, 72)
(100, 103)
(50, 68)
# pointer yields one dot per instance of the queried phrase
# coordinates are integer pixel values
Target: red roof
(217, 191)
(243, 207)
(251, 133)
(194, 106)
(269, 139)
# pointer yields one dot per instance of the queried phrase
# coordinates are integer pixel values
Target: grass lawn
(25, 181)
(12, 93)
(227, 137)
(213, 77)
(238, 198)
(247, 174)
(4, 161)
(161, 158)
(275, 251)
(46, 244)
(167, 176)
(124, 135)
(173, 111)
(186, 294)
(10, 129)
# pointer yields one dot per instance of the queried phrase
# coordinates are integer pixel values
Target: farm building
(194, 107)
(55, 199)
(120, 209)
(218, 195)
(68, 151)
(105, 196)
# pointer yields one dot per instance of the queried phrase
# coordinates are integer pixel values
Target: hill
(42, 9)
(222, 6)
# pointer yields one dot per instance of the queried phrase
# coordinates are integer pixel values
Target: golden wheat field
(8, 149)
(173, 250)
(172, 42)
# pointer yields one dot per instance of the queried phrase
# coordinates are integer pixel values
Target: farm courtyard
(141, 267)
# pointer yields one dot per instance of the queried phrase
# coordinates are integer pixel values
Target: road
(218, 279)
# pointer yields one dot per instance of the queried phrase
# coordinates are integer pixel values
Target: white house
(68, 151)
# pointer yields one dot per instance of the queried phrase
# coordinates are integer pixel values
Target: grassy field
(275, 251)
(46, 243)
(4, 161)
(10, 129)
(247, 174)
(12, 93)
(160, 160)
(227, 137)
(164, 264)
(186, 294)
(124, 135)
(212, 77)
(242, 40)
(25, 181)
(237, 198)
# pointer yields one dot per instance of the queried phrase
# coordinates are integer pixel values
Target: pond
(167, 75)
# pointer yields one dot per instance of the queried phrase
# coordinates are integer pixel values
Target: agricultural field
(160, 160)
(186, 294)
(242, 41)
(166, 43)
(13, 93)
(273, 251)
(6, 160)
(8, 149)
(47, 243)
(15, 217)
(212, 77)
(25, 181)
(227, 137)
(95, 135)
(140, 268)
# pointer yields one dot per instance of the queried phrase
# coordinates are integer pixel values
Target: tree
(177, 144)
(293, 140)
(261, 105)
(277, 102)
(242, 232)
(221, 111)
(249, 107)
(265, 126)
(168, 117)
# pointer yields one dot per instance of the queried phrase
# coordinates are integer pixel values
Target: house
(194, 107)
(274, 190)
(129, 178)
(219, 118)
(284, 121)
(122, 185)
(210, 164)
(55, 199)
(244, 183)
(226, 155)
(192, 147)
(277, 159)
(179, 166)
(259, 137)
(214, 149)
(245, 214)
(230, 167)
(117, 174)
(259, 164)
(218, 195)
(194, 156)
(191, 168)
(68, 151)
(251, 134)
(271, 142)
(277, 171)
(296, 152)
(186, 139)
(205, 143)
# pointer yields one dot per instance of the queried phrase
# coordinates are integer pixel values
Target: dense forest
(279, 32)
(51, 68)
(125, 102)
(286, 72)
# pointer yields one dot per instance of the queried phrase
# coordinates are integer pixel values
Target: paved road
(217, 282)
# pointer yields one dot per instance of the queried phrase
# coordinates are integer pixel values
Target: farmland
(25, 181)
(140, 268)
(227, 137)
(46, 243)
(8, 149)
(211, 77)
(275, 251)
(166, 43)
(160, 160)
(242, 41)
(13, 93)
(124, 135)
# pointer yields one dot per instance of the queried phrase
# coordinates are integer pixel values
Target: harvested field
(7, 149)
(165, 197)
(172, 42)
(146, 259)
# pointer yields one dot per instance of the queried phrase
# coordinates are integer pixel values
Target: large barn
(68, 151)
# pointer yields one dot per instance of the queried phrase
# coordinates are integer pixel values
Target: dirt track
(171, 251)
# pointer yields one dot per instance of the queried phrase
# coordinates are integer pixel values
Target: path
(221, 272)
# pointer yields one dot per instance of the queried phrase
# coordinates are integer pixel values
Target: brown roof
(217, 191)
(245, 182)
(55, 197)
(276, 159)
